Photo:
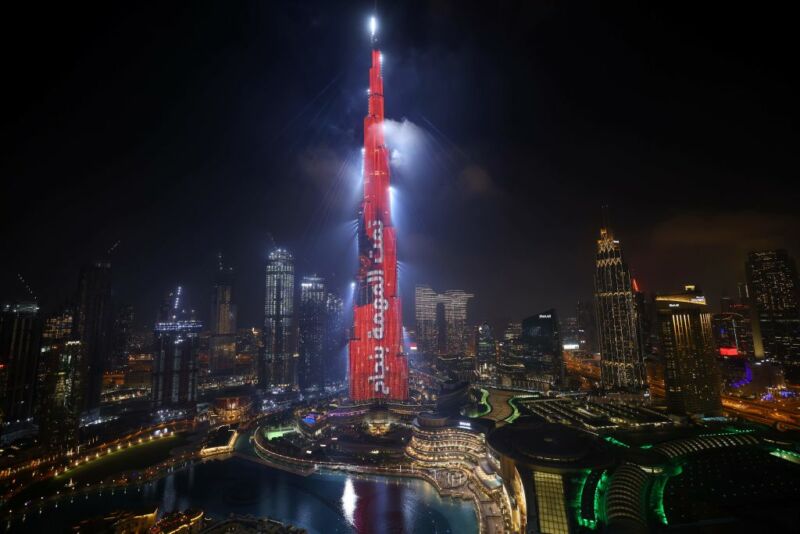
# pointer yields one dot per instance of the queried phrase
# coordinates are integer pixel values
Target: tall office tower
(378, 367)
(426, 301)
(62, 383)
(569, 333)
(335, 342)
(20, 336)
(121, 336)
(277, 362)
(93, 324)
(455, 316)
(512, 331)
(645, 314)
(441, 320)
(311, 325)
(692, 378)
(621, 362)
(485, 351)
(587, 326)
(175, 354)
(773, 288)
(732, 334)
(543, 351)
(222, 343)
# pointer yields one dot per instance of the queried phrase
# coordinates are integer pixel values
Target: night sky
(184, 129)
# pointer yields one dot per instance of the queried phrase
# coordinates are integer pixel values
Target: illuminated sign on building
(378, 367)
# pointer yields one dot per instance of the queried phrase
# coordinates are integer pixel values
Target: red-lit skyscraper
(378, 367)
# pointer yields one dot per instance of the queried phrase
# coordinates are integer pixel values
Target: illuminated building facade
(222, 344)
(543, 351)
(20, 332)
(426, 300)
(62, 383)
(586, 325)
(277, 362)
(732, 335)
(617, 322)
(311, 323)
(378, 367)
(485, 351)
(773, 288)
(175, 362)
(449, 336)
(93, 324)
(455, 315)
(692, 377)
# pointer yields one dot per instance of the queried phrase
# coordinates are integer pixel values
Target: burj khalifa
(378, 367)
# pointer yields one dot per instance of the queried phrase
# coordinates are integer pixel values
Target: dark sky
(184, 129)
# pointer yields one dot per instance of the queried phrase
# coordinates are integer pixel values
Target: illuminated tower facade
(311, 327)
(177, 340)
(692, 376)
(773, 285)
(277, 363)
(222, 345)
(378, 367)
(617, 321)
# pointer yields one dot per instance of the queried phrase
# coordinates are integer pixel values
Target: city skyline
(655, 233)
(574, 383)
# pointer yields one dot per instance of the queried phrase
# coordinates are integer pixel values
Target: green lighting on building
(616, 442)
(789, 456)
(599, 498)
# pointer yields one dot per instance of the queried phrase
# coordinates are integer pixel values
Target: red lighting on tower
(378, 367)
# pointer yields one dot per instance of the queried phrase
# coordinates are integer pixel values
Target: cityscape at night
(399, 267)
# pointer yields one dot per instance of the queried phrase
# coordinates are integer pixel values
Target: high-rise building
(62, 383)
(175, 354)
(773, 290)
(93, 323)
(122, 335)
(426, 301)
(441, 320)
(378, 366)
(20, 336)
(732, 334)
(311, 325)
(455, 316)
(543, 352)
(335, 342)
(222, 343)
(587, 326)
(621, 362)
(485, 351)
(569, 333)
(692, 377)
(277, 363)
(512, 331)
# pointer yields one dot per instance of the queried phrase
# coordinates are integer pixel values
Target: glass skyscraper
(222, 344)
(175, 355)
(773, 287)
(692, 377)
(311, 323)
(430, 338)
(277, 362)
